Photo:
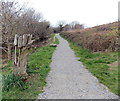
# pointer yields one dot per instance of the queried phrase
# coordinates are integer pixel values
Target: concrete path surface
(68, 78)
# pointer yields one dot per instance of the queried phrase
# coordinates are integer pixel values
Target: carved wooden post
(21, 44)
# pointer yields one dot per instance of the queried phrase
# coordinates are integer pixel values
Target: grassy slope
(37, 68)
(97, 64)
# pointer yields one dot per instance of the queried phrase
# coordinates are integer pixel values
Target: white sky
(88, 12)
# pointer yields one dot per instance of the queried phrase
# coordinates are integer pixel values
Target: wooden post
(21, 45)
(15, 44)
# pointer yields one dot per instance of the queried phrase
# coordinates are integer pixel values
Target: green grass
(7, 68)
(37, 69)
(56, 40)
(97, 64)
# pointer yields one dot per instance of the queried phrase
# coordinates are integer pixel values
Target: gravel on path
(68, 78)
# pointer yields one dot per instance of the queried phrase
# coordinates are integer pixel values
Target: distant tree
(67, 27)
(56, 29)
(61, 25)
(73, 24)
(79, 26)
(76, 25)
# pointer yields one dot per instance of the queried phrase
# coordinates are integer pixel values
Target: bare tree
(73, 24)
(61, 25)
(67, 27)
(16, 19)
(76, 25)
(9, 12)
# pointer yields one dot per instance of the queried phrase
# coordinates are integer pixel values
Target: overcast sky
(88, 12)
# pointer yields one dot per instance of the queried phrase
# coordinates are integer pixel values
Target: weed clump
(14, 81)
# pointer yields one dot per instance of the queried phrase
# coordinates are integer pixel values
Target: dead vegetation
(98, 38)
(20, 20)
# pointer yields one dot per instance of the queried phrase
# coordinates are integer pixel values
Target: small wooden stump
(53, 45)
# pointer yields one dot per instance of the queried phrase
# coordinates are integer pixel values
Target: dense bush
(99, 38)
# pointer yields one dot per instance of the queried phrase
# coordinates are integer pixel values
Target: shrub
(99, 38)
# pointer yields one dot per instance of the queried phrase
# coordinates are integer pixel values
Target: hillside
(98, 38)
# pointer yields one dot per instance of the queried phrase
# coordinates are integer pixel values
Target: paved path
(68, 79)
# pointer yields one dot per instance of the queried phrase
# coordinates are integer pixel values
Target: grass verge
(98, 65)
(37, 69)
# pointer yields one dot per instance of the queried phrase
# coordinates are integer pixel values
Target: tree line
(20, 19)
(63, 26)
